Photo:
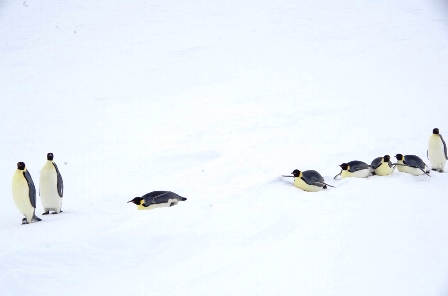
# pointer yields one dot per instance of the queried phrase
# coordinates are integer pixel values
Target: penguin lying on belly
(309, 180)
(157, 199)
(382, 166)
(355, 168)
(411, 164)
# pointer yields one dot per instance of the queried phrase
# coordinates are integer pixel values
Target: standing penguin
(51, 186)
(355, 168)
(411, 164)
(310, 180)
(436, 152)
(382, 166)
(24, 193)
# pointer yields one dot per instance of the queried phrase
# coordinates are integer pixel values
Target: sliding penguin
(157, 199)
(382, 166)
(310, 180)
(51, 186)
(436, 152)
(411, 164)
(24, 193)
(355, 168)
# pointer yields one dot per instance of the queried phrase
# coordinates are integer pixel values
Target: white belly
(159, 205)
(48, 188)
(436, 153)
(384, 169)
(358, 174)
(299, 183)
(409, 170)
(20, 194)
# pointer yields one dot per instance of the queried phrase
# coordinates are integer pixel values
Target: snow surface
(215, 100)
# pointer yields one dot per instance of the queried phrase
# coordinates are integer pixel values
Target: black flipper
(426, 173)
(324, 185)
(444, 146)
(336, 177)
(60, 183)
(32, 189)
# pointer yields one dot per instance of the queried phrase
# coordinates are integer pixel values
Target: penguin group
(51, 190)
(51, 186)
(312, 181)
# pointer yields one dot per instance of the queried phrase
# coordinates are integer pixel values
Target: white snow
(215, 100)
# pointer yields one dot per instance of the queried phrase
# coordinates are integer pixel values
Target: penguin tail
(182, 198)
(35, 218)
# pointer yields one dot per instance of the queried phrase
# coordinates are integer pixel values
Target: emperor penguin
(355, 168)
(51, 186)
(157, 199)
(24, 193)
(411, 164)
(309, 180)
(382, 166)
(437, 154)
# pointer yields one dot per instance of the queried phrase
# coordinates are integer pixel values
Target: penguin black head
(21, 166)
(296, 173)
(50, 156)
(399, 156)
(136, 200)
(435, 131)
(386, 158)
(344, 166)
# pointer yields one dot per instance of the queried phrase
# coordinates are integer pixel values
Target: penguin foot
(46, 213)
(36, 219)
(172, 204)
(441, 171)
(434, 169)
(55, 213)
(24, 221)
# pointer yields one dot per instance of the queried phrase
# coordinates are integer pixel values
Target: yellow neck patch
(140, 206)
